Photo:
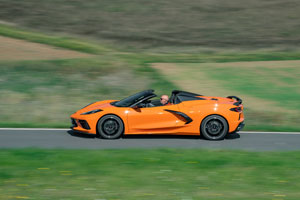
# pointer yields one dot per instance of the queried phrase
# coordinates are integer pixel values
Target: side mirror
(138, 106)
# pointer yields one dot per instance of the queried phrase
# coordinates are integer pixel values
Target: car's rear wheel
(214, 127)
(110, 127)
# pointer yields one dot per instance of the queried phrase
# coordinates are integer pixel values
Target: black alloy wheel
(110, 127)
(214, 127)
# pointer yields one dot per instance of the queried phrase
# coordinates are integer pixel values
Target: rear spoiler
(239, 101)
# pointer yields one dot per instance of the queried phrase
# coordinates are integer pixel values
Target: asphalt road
(66, 139)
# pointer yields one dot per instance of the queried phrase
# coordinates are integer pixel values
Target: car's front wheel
(110, 127)
(214, 127)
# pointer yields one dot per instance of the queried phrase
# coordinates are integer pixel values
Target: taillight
(236, 109)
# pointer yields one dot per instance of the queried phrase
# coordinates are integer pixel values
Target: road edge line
(66, 129)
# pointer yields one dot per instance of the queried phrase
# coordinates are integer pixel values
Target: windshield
(127, 102)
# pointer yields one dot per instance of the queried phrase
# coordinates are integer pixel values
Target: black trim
(236, 109)
(91, 112)
(182, 97)
(73, 121)
(175, 93)
(239, 101)
(133, 99)
(84, 124)
(187, 118)
(82, 132)
(240, 126)
(142, 100)
(185, 93)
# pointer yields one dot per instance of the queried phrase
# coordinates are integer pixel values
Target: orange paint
(156, 120)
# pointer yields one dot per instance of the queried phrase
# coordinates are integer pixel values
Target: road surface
(66, 139)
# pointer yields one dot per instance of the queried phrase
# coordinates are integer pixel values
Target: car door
(159, 119)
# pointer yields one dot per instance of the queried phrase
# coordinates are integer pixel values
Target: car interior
(176, 98)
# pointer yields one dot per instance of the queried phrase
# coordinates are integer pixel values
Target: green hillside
(158, 25)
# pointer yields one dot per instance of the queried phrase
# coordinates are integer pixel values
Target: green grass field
(269, 88)
(47, 92)
(50, 90)
(148, 174)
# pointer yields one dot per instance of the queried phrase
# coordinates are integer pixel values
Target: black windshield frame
(133, 99)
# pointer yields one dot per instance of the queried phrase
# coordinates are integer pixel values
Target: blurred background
(57, 56)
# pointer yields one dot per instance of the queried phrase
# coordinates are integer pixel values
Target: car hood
(97, 105)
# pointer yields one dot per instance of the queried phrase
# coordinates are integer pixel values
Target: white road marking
(66, 129)
(261, 132)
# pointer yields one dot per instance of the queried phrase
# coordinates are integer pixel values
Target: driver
(164, 100)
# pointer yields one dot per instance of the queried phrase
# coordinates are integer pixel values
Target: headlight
(91, 112)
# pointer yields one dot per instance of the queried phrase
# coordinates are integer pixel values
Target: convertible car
(186, 114)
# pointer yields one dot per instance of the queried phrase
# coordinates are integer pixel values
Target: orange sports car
(185, 114)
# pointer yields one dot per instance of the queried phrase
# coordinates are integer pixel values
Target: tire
(214, 127)
(110, 127)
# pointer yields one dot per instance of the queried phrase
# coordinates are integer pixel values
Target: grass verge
(148, 174)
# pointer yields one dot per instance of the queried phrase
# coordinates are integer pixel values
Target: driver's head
(164, 99)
